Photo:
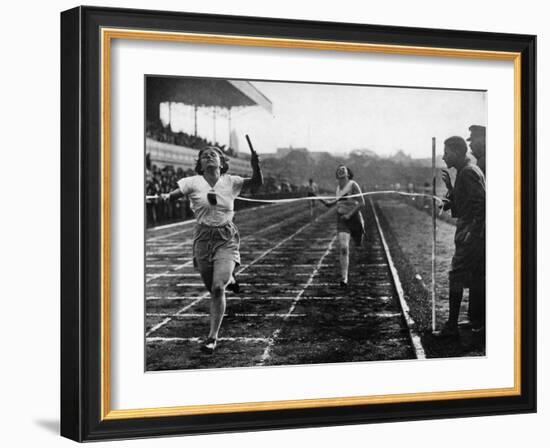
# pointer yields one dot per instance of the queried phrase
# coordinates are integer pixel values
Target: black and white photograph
(275, 224)
(300, 223)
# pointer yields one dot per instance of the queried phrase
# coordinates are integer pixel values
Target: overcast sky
(339, 118)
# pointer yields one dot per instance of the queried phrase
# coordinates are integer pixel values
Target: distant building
(282, 152)
(364, 152)
(318, 155)
(401, 158)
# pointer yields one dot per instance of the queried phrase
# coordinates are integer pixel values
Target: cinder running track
(291, 309)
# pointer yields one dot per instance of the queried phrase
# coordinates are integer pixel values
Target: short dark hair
(224, 162)
(350, 173)
(457, 145)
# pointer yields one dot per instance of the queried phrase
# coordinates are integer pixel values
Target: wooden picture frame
(86, 36)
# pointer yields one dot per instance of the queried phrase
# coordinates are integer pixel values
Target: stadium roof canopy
(202, 92)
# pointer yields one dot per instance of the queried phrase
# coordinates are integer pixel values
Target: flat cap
(476, 130)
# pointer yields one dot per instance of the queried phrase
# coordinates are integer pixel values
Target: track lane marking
(198, 340)
(267, 351)
(415, 338)
(275, 298)
(188, 223)
(226, 315)
(190, 262)
(242, 269)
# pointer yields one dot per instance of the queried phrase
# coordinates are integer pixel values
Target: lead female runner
(349, 221)
(212, 193)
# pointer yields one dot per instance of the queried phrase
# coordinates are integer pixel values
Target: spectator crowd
(160, 133)
(163, 180)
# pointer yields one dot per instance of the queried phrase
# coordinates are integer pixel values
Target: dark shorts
(212, 244)
(354, 226)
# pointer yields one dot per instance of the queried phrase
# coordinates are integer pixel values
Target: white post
(434, 223)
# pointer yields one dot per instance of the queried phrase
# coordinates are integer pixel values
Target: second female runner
(349, 220)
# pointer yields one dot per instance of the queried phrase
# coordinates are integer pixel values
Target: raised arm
(257, 180)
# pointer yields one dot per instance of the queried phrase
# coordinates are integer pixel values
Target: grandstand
(172, 155)
(166, 147)
(167, 154)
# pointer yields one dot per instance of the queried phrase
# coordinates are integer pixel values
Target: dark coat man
(466, 201)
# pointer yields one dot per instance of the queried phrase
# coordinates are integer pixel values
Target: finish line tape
(326, 198)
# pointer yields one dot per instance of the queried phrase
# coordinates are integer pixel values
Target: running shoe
(234, 286)
(208, 346)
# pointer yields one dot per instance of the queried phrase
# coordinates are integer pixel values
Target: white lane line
(278, 274)
(227, 298)
(266, 290)
(382, 298)
(170, 274)
(152, 247)
(281, 265)
(171, 298)
(320, 240)
(253, 285)
(160, 238)
(170, 250)
(152, 277)
(274, 225)
(170, 226)
(382, 315)
(235, 339)
(181, 311)
(206, 315)
(242, 269)
(182, 224)
(266, 299)
(415, 338)
(191, 221)
(191, 285)
(259, 285)
(358, 284)
(163, 265)
(267, 351)
(279, 244)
